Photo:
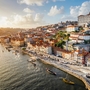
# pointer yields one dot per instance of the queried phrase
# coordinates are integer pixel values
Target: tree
(61, 38)
(60, 44)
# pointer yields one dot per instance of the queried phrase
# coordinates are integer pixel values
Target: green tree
(60, 44)
(61, 38)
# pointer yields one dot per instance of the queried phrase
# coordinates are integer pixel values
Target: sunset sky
(33, 13)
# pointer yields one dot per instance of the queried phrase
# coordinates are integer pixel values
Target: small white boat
(88, 75)
(29, 60)
(34, 58)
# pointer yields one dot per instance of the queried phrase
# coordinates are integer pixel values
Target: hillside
(8, 31)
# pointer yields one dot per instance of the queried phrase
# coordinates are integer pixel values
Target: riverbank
(65, 69)
(68, 66)
(17, 73)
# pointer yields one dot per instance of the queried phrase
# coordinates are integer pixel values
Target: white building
(42, 48)
(46, 49)
(84, 46)
(79, 38)
(84, 37)
(71, 28)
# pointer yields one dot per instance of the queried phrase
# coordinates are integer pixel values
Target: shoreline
(67, 70)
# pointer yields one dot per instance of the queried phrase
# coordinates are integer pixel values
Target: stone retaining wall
(63, 69)
(71, 73)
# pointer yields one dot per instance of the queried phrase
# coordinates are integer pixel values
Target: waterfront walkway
(69, 66)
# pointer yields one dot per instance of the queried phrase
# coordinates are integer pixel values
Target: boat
(88, 75)
(9, 50)
(33, 59)
(33, 64)
(68, 81)
(29, 60)
(51, 72)
(17, 51)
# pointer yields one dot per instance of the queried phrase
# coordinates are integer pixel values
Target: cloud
(25, 21)
(4, 21)
(54, 10)
(38, 17)
(27, 10)
(67, 18)
(58, 0)
(80, 10)
(75, 11)
(85, 8)
(47, 1)
(32, 2)
(22, 20)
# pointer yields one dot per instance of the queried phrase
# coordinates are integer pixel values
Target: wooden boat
(51, 72)
(68, 81)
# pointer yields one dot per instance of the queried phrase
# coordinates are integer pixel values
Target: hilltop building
(84, 20)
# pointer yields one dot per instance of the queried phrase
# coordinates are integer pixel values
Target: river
(16, 73)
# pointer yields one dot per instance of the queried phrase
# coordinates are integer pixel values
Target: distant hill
(8, 31)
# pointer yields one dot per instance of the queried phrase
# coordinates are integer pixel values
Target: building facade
(84, 20)
(71, 28)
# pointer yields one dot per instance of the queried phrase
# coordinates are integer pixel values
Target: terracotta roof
(73, 37)
(62, 50)
(71, 25)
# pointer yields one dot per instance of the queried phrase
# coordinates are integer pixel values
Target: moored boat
(31, 62)
(51, 72)
(88, 75)
(33, 58)
(68, 81)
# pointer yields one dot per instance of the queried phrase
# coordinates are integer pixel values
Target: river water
(16, 73)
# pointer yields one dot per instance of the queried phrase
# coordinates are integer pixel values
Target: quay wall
(87, 84)
(70, 72)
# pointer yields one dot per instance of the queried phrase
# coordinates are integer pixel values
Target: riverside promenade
(69, 66)
(77, 71)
